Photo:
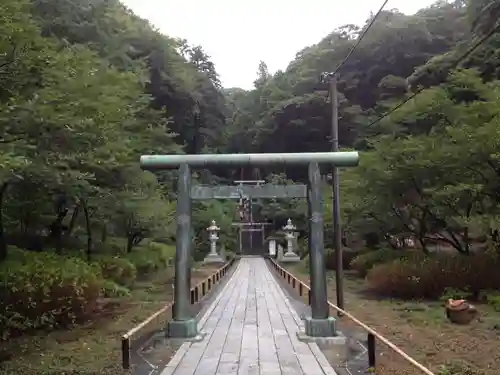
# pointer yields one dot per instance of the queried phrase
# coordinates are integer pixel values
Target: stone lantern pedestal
(213, 257)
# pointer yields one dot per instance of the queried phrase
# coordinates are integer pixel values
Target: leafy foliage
(421, 276)
(366, 261)
(86, 87)
(151, 257)
(415, 180)
(119, 270)
(331, 259)
(43, 290)
(429, 171)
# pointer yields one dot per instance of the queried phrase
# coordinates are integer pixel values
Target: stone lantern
(289, 255)
(213, 257)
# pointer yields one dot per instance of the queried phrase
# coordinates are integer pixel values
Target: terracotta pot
(460, 311)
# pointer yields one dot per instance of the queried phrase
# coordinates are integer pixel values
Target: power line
(358, 42)
(458, 61)
(483, 11)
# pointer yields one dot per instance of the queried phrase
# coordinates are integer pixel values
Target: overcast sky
(238, 34)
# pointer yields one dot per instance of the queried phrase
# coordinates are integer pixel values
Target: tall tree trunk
(89, 229)
(130, 242)
(423, 244)
(56, 230)
(74, 217)
(466, 239)
(3, 239)
(104, 233)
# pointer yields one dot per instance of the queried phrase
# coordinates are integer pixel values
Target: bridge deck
(251, 328)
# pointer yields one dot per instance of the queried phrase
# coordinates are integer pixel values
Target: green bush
(19, 256)
(365, 261)
(331, 258)
(44, 290)
(347, 256)
(492, 297)
(420, 276)
(111, 289)
(119, 270)
(151, 257)
(454, 294)
(109, 247)
(164, 253)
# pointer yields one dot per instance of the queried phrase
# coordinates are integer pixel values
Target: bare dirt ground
(420, 329)
(93, 348)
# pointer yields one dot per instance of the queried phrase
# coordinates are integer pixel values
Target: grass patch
(419, 313)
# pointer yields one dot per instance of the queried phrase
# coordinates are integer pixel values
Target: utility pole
(331, 78)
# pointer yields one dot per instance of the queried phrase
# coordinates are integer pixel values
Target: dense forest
(86, 87)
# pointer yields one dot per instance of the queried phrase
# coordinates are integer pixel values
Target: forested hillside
(86, 87)
(430, 168)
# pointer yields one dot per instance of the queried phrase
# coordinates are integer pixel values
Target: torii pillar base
(320, 327)
(182, 329)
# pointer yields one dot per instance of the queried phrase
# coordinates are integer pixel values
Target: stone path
(250, 329)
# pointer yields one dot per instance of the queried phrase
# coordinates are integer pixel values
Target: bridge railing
(160, 317)
(304, 291)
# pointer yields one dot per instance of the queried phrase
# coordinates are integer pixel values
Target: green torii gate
(183, 325)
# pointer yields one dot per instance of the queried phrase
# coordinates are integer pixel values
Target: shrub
(119, 270)
(347, 256)
(43, 290)
(164, 253)
(492, 298)
(454, 294)
(331, 258)
(151, 257)
(421, 276)
(111, 289)
(108, 247)
(18, 256)
(367, 260)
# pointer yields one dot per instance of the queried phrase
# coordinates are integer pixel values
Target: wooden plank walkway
(250, 329)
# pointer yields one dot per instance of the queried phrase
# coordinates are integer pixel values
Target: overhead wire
(455, 64)
(356, 45)
(360, 38)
